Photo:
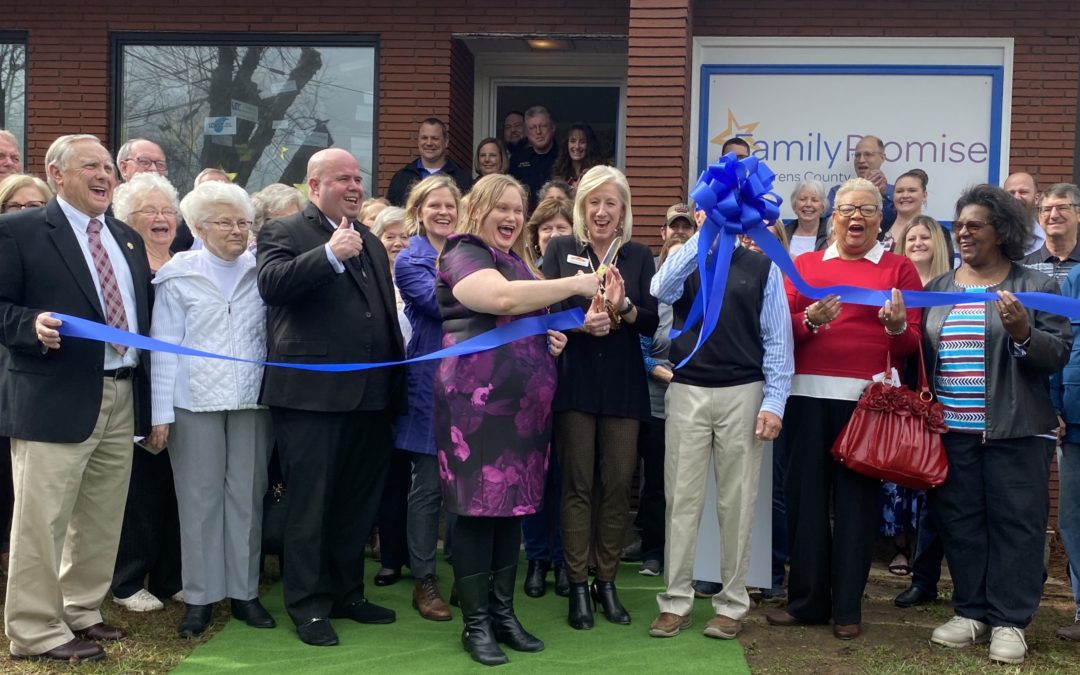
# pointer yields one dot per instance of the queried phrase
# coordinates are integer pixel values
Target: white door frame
(565, 69)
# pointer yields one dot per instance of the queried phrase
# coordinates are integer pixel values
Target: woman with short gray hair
(809, 231)
(274, 201)
(207, 409)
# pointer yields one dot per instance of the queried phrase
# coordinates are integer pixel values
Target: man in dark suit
(326, 282)
(71, 408)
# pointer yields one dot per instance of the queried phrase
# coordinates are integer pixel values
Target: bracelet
(813, 327)
(899, 332)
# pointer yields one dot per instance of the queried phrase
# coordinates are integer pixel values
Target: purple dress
(492, 409)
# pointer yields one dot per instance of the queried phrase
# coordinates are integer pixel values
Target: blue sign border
(996, 74)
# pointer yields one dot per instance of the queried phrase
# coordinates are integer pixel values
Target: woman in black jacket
(602, 395)
(989, 363)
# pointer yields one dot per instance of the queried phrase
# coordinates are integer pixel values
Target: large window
(13, 85)
(257, 106)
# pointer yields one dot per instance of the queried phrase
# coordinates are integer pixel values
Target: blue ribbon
(74, 326)
(736, 197)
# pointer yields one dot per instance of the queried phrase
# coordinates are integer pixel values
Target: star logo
(744, 131)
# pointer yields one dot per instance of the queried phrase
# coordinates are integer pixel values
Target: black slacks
(829, 564)
(150, 535)
(393, 509)
(991, 514)
(651, 520)
(334, 464)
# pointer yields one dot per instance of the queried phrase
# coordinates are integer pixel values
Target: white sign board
(939, 105)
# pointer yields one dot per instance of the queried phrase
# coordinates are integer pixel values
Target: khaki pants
(69, 506)
(710, 424)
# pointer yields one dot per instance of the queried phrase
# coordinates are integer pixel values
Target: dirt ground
(897, 640)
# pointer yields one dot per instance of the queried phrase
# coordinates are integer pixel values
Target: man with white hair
(10, 159)
(71, 407)
(139, 155)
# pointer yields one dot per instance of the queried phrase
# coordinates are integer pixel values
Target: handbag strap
(924, 384)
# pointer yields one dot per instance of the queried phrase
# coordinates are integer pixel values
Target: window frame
(21, 37)
(118, 40)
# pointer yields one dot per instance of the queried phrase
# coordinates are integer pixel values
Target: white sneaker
(960, 632)
(1007, 645)
(178, 596)
(140, 601)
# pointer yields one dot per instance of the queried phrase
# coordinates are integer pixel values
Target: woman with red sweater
(838, 350)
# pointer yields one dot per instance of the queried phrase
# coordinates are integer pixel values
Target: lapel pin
(131, 247)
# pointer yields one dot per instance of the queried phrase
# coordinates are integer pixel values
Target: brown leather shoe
(846, 631)
(780, 617)
(74, 651)
(668, 624)
(723, 627)
(101, 632)
(427, 600)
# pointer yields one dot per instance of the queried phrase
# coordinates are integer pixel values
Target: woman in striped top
(989, 362)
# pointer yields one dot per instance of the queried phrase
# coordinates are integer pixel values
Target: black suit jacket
(315, 315)
(55, 396)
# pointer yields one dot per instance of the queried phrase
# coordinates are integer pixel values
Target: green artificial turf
(413, 645)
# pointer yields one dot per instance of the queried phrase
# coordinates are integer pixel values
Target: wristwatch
(629, 307)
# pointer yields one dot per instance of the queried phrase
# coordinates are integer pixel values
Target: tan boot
(428, 602)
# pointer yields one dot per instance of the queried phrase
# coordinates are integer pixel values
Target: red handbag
(895, 434)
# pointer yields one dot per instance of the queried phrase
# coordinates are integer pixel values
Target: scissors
(609, 258)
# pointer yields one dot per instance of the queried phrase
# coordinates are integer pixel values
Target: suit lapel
(71, 254)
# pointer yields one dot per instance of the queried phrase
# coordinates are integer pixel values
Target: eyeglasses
(972, 226)
(1063, 209)
(228, 225)
(151, 212)
(11, 207)
(146, 163)
(867, 210)
(865, 155)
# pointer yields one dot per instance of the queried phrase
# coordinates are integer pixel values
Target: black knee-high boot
(478, 638)
(507, 628)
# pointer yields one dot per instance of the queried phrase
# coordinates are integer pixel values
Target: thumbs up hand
(345, 243)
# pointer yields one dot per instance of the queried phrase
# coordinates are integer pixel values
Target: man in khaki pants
(721, 405)
(71, 406)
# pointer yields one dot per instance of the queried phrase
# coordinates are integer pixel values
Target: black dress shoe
(562, 582)
(101, 632)
(196, 619)
(387, 576)
(580, 615)
(252, 613)
(82, 650)
(914, 596)
(363, 611)
(605, 595)
(536, 578)
(317, 633)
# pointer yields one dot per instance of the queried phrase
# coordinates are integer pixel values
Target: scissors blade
(609, 257)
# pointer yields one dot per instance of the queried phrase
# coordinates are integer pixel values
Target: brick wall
(69, 43)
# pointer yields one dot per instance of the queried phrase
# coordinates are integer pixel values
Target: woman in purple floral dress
(493, 409)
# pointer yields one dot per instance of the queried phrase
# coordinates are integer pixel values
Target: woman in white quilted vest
(207, 409)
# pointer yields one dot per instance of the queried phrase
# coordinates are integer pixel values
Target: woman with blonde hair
(431, 215)
(923, 241)
(371, 208)
(603, 396)
(20, 191)
(493, 408)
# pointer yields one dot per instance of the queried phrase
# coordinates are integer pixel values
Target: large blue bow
(736, 196)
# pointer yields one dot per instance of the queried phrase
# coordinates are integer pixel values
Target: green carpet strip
(415, 646)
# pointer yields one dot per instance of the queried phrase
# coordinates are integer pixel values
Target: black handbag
(274, 505)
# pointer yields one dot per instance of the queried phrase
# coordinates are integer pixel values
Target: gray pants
(219, 462)
(425, 503)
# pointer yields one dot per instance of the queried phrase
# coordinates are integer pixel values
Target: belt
(125, 373)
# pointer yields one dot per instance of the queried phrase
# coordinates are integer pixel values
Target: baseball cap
(680, 211)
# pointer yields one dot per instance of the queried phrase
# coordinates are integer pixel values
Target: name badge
(577, 260)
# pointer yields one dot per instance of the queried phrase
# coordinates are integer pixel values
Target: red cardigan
(855, 343)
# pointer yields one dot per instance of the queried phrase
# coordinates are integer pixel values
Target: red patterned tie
(110, 291)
